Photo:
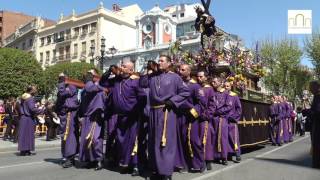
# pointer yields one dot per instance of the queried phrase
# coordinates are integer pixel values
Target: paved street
(288, 162)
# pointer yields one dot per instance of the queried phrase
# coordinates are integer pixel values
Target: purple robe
(209, 131)
(162, 142)
(279, 124)
(220, 106)
(190, 129)
(273, 112)
(315, 132)
(234, 116)
(285, 122)
(66, 108)
(28, 111)
(127, 102)
(290, 123)
(91, 110)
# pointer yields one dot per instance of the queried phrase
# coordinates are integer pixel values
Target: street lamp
(103, 51)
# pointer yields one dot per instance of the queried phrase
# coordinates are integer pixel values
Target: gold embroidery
(135, 148)
(91, 134)
(204, 140)
(66, 133)
(194, 113)
(189, 140)
(219, 134)
(235, 137)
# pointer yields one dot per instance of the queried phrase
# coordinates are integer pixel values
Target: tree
(312, 49)
(281, 58)
(73, 70)
(18, 69)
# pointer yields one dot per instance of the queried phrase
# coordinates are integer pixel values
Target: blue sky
(252, 20)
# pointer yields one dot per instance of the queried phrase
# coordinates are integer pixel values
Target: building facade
(74, 37)
(157, 29)
(10, 21)
(25, 36)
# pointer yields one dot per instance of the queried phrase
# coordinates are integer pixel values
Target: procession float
(219, 56)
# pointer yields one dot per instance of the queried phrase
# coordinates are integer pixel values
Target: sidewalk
(40, 144)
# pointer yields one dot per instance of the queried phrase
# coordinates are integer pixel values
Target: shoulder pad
(233, 93)
(206, 85)
(193, 81)
(222, 90)
(134, 76)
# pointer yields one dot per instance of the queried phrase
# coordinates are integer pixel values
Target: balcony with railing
(61, 57)
(68, 56)
(75, 55)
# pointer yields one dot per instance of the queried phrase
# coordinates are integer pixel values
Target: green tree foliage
(73, 70)
(312, 48)
(18, 69)
(281, 59)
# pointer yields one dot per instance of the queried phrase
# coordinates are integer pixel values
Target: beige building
(72, 38)
(25, 36)
(10, 21)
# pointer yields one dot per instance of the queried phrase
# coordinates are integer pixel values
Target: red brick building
(10, 21)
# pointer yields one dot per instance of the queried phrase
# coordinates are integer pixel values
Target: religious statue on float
(205, 24)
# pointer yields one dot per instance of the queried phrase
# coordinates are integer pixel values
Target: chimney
(116, 7)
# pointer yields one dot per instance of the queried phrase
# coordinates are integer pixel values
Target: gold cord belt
(164, 132)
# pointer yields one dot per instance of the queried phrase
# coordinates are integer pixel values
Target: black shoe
(5, 138)
(224, 162)
(209, 166)
(22, 153)
(29, 153)
(166, 178)
(135, 172)
(273, 144)
(99, 166)
(182, 170)
(203, 169)
(238, 159)
(67, 164)
(279, 144)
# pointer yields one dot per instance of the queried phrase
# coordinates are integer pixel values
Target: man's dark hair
(168, 58)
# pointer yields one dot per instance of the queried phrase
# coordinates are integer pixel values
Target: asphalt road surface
(288, 162)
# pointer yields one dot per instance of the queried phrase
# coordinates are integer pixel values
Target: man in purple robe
(28, 112)
(233, 118)
(220, 106)
(315, 121)
(284, 117)
(273, 113)
(289, 110)
(167, 93)
(191, 127)
(209, 132)
(278, 127)
(127, 101)
(91, 112)
(66, 108)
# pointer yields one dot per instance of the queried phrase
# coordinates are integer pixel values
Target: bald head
(185, 71)
(127, 68)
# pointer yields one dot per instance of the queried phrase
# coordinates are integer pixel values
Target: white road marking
(42, 149)
(209, 175)
(22, 164)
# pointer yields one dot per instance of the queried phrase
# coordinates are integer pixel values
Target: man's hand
(169, 105)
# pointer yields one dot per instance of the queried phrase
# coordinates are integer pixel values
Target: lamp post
(103, 51)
